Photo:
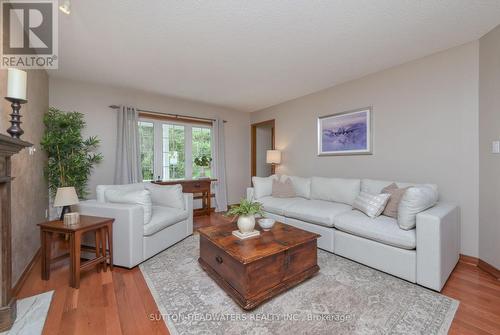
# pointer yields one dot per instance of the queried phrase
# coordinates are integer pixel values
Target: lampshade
(273, 157)
(65, 196)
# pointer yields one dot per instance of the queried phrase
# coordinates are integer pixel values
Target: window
(146, 142)
(168, 149)
(202, 146)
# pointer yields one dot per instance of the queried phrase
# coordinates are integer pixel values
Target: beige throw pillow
(370, 204)
(283, 189)
(391, 209)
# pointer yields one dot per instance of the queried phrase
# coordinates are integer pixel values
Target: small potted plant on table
(246, 212)
(203, 162)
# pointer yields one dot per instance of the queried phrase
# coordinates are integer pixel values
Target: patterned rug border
(444, 329)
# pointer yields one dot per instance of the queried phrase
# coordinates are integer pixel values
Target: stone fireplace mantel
(8, 147)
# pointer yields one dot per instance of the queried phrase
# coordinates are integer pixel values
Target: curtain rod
(169, 114)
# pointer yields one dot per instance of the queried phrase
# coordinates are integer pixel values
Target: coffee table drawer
(231, 270)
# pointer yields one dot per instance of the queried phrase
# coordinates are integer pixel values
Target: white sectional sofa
(425, 255)
(134, 241)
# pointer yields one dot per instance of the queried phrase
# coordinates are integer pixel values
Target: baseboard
(489, 268)
(17, 288)
(486, 267)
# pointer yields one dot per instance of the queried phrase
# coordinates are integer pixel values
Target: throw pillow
(396, 193)
(415, 200)
(283, 189)
(301, 186)
(141, 198)
(166, 195)
(263, 186)
(371, 204)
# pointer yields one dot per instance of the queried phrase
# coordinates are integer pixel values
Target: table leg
(46, 254)
(109, 232)
(104, 242)
(98, 237)
(209, 202)
(77, 251)
(72, 260)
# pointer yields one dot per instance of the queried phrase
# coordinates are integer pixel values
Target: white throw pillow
(166, 195)
(142, 198)
(263, 186)
(301, 186)
(415, 200)
(335, 189)
(371, 204)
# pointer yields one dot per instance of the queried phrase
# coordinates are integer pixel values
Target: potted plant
(203, 162)
(71, 158)
(246, 212)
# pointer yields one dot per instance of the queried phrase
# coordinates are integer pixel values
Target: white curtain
(219, 165)
(128, 156)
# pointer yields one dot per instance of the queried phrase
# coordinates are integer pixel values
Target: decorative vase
(202, 172)
(246, 223)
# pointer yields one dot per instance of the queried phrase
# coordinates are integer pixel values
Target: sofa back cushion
(335, 189)
(415, 200)
(101, 189)
(140, 197)
(263, 186)
(375, 186)
(166, 195)
(301, 186)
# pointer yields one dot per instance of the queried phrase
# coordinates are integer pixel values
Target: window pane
(202, 146)
(146, 140)
(173, 151)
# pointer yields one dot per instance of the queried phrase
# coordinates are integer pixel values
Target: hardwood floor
(119, 302)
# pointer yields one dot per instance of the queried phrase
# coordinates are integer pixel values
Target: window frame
(158, 145)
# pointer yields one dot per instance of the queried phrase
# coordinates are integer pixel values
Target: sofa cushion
(335, 189)
(415, 200)
(382, 229)
(301, 186)
(278, 205)
(396, 194)
(166, 195)
(101, 189)
(316, 211)
(263, 187)
(164, 217)
(124, 196)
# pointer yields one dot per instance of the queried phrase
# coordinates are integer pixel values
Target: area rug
(344, 298)
(31, 315)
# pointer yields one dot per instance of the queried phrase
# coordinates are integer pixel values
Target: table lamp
(65, 197)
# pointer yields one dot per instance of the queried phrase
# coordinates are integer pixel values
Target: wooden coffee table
(254, 270)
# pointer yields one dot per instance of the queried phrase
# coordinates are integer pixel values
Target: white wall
(264, 142)
(425, 116)
(489, 164)
(93, 100)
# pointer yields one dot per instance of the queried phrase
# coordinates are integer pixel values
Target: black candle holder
(15, 130)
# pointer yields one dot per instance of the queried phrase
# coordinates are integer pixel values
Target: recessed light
(65, 7)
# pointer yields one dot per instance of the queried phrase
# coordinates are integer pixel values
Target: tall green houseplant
(71, 158)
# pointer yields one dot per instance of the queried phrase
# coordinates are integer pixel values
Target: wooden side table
(196, 186)
(103, 231)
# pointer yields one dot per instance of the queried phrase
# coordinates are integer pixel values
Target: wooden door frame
(253, 132)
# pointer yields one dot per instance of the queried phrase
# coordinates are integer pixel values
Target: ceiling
(248, 55)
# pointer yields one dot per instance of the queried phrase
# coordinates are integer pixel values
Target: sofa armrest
(438, 244)
(250, 193)
(128, 229)
(188, 205)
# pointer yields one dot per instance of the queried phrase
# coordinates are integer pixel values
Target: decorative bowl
(266, 224)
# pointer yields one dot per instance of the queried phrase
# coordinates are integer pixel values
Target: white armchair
(134, 241)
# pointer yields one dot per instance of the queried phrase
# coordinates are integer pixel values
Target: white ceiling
(248, 55)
